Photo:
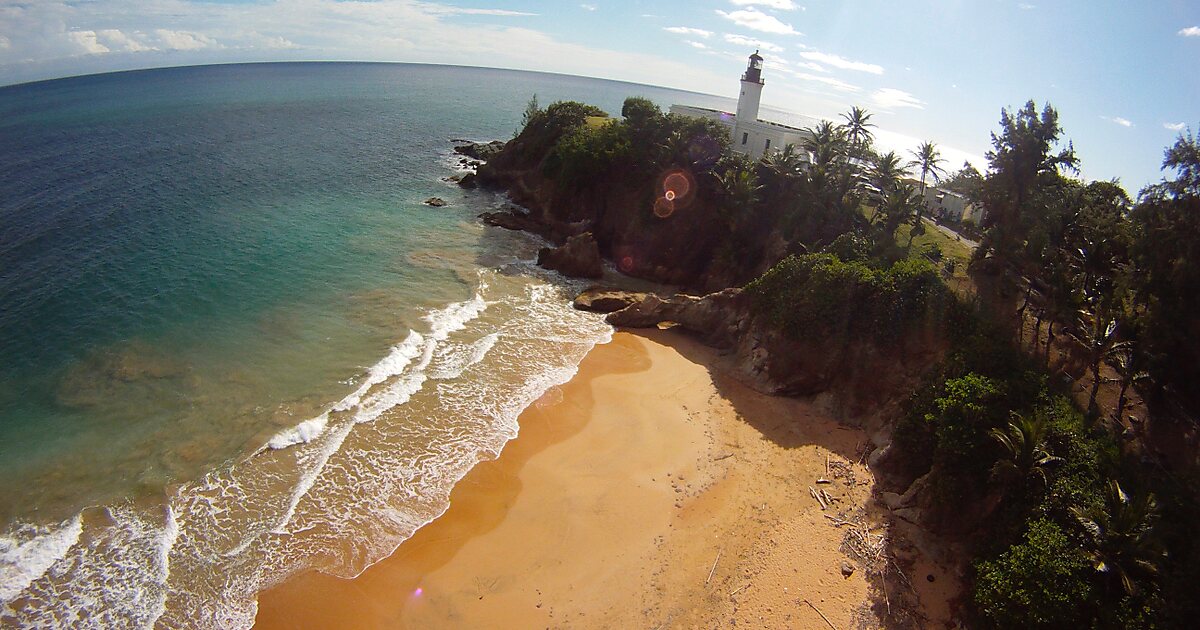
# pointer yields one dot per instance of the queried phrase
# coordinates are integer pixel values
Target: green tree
(1023, 443)
(1120, 537)
(927, 160)
(858, 130)
(532, 111)
(1022, 160)
(899, 205)
(1166, 253)
(967, 182)
(886, 171)
(1039, 583)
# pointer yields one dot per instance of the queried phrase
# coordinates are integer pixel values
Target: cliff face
(862, 378)
(682, 245)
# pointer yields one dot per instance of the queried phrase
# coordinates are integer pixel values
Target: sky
(1124, 76)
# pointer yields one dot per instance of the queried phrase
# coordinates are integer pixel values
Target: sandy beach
(652, 491)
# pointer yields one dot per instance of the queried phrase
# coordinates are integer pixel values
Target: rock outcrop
(579, 257)
(861, 376)
(436, 202)
(606, 300)
(482, 151)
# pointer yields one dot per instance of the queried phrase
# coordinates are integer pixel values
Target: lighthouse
(752, 85)
(749, 135)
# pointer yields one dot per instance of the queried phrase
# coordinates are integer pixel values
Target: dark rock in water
(436, 202)
(468, 181)
(510, 220)
(480, 150)
(604, 300)
(578, 257)
(453, 178)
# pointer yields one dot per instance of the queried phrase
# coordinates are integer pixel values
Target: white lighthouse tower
(749, 135)
(748, 99)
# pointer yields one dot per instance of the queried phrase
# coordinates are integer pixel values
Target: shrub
(1040, 583)
(820, 295)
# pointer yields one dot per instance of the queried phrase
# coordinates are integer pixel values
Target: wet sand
(652, 490)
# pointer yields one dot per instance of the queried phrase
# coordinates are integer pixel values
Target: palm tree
(827, 142)
(781, 171)
(928, 160)
(886, 171)
(857, 127)
(1097, 331)
(1120, 536)
(740, 186)
(1129, 361)
(897, 207)
(1024, 444)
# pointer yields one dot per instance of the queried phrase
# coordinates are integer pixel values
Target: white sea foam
(320, 497)
(29, 551)
(442, 322)
(302, 433)
(117, 579)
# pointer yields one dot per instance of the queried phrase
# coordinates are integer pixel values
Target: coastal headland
(652, 490)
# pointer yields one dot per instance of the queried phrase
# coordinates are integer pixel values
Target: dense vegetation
(1069, 520)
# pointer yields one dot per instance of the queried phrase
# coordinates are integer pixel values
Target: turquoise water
(233, 342)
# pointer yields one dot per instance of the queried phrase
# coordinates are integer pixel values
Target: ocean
(234, 343)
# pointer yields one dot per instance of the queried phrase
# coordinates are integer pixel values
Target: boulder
(605, 300)
(511, 220)
(483, 151)
(468, 181)
(717, 317)
(436, 202)
(578, 257)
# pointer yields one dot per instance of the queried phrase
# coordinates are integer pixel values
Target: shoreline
(652, 479)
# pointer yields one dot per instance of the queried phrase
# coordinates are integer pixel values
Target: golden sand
(652, 490)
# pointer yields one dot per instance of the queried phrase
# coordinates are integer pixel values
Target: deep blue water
(197, 262)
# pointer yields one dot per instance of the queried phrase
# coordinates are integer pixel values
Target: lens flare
(626, 264)
(676, 191)
(664, 207)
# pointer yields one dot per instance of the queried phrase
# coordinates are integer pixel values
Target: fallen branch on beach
(714, 568)
(838, 522)
(818, 611)
(816, 495)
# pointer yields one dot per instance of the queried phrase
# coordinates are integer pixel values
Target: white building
(951, 205)
(747, 133)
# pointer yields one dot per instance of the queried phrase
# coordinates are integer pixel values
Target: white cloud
(1117, 120)
(1191, 31)
(836, 84)
(1025, 6)
(756, 20)
(588, 7)
(1174, 126)
(891, 98)
(782, 5)
(695, 44)
(115, 40)
(687, 30)
(184, 40)
(448, 10)
(749, 42)
(88, 41)
(5, 43)
(842, 63)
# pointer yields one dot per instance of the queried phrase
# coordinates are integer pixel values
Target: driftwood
(714, 568)
(818, 611)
